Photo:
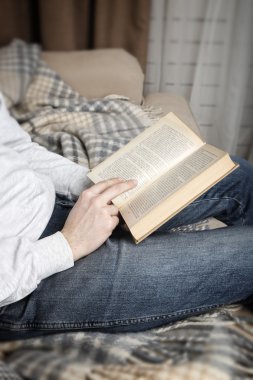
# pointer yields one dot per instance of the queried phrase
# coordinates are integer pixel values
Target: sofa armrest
(97, 73)
(173, 103)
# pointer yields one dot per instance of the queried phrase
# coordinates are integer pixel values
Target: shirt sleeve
(68, 177)
(25, 263)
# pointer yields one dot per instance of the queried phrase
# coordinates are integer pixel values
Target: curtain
(203, 50)
(78, 24)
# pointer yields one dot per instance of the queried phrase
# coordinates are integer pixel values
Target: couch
(217, 345)
(102, 72)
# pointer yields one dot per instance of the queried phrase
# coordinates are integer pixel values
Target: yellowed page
(149, 155)
(169, 183)
(181, 199)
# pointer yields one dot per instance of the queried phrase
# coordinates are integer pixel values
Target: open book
(173, 167)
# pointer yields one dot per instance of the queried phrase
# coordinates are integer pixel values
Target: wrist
(73, 247)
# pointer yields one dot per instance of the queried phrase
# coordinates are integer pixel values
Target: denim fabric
(167, 277)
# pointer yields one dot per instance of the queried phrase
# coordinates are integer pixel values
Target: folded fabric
(58, 117)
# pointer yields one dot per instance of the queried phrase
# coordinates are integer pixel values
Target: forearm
(25, 263)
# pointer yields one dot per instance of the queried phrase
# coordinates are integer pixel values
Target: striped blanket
(218, 345)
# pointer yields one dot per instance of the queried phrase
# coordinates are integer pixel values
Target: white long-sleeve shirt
(30, 176)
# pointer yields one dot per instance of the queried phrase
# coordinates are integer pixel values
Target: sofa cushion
(97, 73)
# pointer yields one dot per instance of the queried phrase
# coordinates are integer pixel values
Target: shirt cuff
(79, 180)
(53, 254)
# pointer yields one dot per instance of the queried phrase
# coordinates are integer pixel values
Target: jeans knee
(244, 187)
(244, 176)
(245, 167)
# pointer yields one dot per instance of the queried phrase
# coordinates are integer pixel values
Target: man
(114, 284)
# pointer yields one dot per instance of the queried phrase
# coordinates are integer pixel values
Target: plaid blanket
(218, 345)
(58, 117)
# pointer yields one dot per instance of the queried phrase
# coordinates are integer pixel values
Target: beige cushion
(101, 72)
(173, 103)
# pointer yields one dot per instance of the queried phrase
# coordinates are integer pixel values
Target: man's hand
(94, 217)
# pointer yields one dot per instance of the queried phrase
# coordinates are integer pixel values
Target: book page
(172, 205)
(169, 183)
(149, 155)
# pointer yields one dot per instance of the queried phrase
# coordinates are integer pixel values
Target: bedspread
(218, 345)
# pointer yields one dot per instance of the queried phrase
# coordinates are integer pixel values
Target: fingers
(112, 210)
(114, 190)
(109, 189)
(115, 220)
(103, 185)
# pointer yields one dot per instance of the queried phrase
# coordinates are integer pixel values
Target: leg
(230, 201)
(124, 287)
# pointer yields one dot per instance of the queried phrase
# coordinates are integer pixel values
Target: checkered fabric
(59, 118)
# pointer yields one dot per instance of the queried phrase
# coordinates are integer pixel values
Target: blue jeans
(167, 277)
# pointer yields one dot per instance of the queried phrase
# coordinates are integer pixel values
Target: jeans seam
(112, 323)
(241, 206)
